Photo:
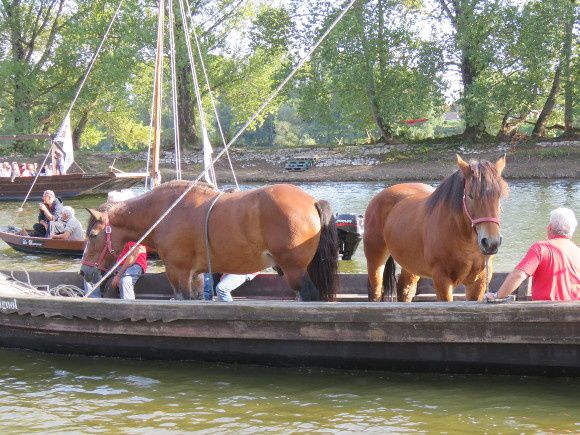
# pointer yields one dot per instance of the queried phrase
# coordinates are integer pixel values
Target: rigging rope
(84, 79)
(221, 153)
(208, 162)
(94, 58)
(215, 111)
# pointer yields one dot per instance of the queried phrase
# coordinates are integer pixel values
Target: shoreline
(545, 160)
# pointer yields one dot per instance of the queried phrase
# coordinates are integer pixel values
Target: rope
(90, 67)
(221, 153)
(35, 178)
(174, 102)
(94, 58)
(210, 177)
(25, 287)
(215, 111)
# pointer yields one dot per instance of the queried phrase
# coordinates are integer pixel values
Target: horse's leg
(196, 285)
(407, 286)
(299, 281)
(180, 279)
(475, 290)
(443, 286)
(376, 258)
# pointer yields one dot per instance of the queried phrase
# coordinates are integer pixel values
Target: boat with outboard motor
(266, 326)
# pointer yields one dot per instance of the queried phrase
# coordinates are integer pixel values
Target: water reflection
(524, 219)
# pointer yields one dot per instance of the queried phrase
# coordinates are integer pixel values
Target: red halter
(474, 222)
(107, 247)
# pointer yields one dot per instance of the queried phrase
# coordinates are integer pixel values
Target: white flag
(64, 139)
(207, 158)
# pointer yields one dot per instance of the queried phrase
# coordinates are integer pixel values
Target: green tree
(374, 70)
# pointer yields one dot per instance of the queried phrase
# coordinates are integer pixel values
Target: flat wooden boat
(516, 337)
(42, 245)
(69, 185)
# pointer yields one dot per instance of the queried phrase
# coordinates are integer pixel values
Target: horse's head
(483, 189)
(102, 246)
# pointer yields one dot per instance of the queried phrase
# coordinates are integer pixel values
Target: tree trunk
(79, 129)
(187, 130)
(540, 127)
(567, 72)
(384, 130)
(20, 94)
(509, 126)
(474, 124)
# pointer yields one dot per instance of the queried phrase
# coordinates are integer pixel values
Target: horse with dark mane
(238, 232)
(444, 233)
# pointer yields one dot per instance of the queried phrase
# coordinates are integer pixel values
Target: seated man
(124, 278)
(69, 227)
(130, 270)
(50, 210)
(228, 283)
(553, 264)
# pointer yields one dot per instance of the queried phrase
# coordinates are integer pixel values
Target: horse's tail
(389, 280)
(323, 269)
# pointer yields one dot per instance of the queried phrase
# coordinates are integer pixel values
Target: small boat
(265, 326)
(41, 245)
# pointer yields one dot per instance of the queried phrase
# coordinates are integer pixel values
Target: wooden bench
(299, 164)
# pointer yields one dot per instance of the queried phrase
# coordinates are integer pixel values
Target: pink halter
(107, 247)
(474, 222)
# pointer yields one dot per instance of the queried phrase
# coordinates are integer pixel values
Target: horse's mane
(486, 183)
(171, 189)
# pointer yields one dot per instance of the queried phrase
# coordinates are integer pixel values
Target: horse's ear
(463, 165)
(500, 164)
(95, 213)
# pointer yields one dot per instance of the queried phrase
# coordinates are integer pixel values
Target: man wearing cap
(50, 210)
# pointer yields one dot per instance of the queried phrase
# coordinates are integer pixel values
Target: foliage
(380, 65)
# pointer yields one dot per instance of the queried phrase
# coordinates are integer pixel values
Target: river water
(64, 394)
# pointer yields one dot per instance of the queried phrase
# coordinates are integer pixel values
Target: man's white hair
(69, 211)
(563, 222)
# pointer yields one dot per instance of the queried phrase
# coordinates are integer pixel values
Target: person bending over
(69, 227)
(553, 264)
(130, 270)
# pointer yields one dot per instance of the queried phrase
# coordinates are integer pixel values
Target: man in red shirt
(130, 270)
(553, 264)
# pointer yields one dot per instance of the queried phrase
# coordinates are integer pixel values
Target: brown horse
(247, 231)
(444, 233)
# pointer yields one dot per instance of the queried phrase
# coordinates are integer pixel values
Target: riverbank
(379, 162)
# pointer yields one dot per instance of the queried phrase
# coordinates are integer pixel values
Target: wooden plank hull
(67, 186)
(44, 246)
(519, 337)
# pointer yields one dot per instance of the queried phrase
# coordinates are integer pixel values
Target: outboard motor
(350, 228)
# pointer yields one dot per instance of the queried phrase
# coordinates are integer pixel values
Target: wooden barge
(517, 337)
(69, 185)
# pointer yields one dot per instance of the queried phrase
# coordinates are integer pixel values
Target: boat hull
(520, 337)
(43, 246)
(67, 186)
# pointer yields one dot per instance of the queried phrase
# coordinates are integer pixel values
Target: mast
(157, 95)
